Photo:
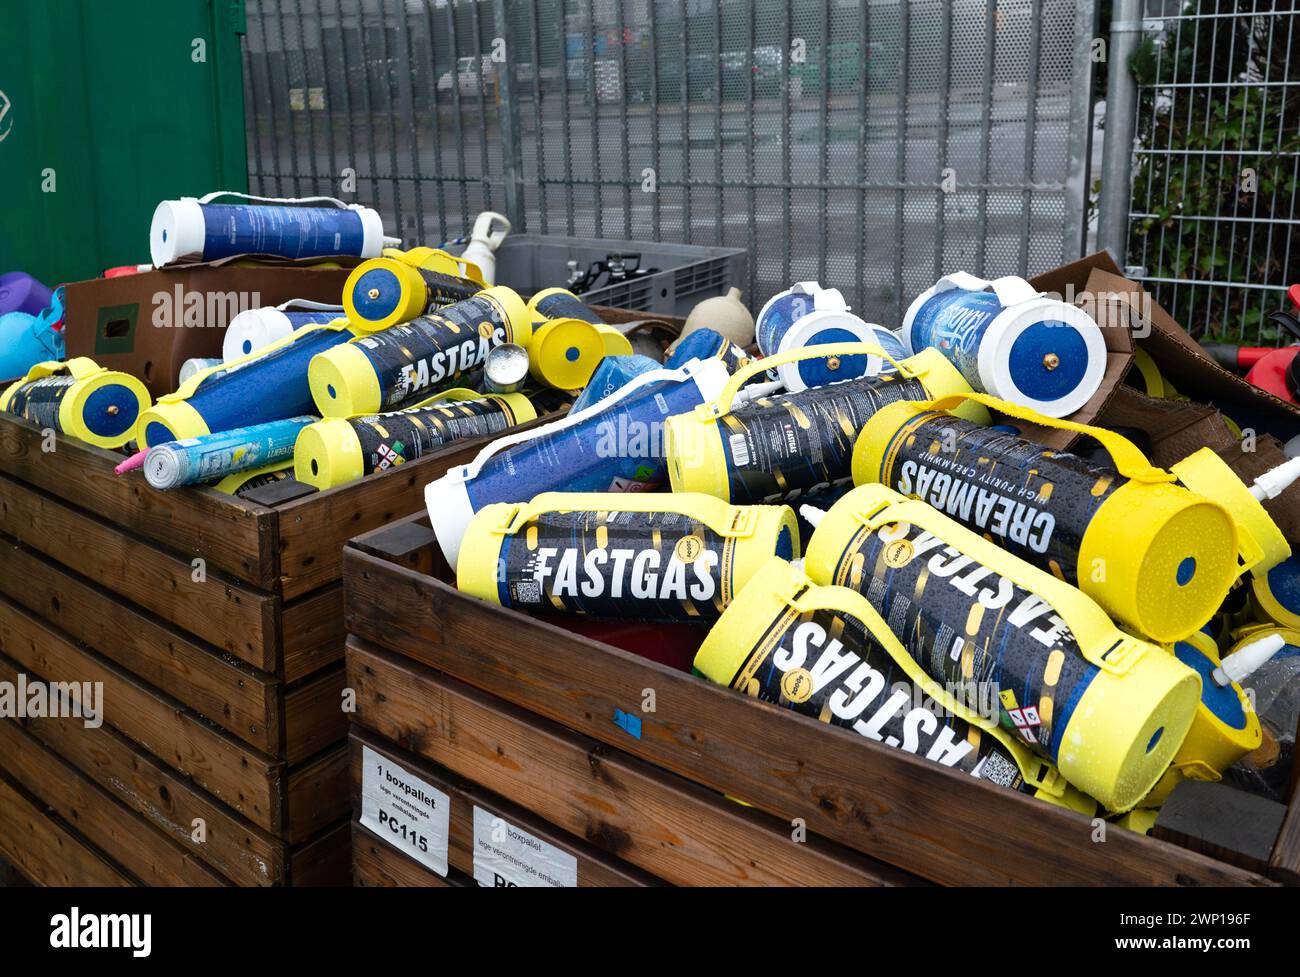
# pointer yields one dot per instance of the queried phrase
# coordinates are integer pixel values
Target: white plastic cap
(1242, 662)
(812, 514)
(1276, 481)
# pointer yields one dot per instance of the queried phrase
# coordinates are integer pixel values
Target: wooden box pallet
(474, 815)
(649, 818)
(215, 626)
(540, 715)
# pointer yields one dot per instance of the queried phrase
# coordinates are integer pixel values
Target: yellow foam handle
(834, 597)
(722, 405)
(716, 512)
(436, 259)
(1128, 457)
(79, 367)
(1113, 657)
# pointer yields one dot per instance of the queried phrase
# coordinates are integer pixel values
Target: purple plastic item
(20, 292)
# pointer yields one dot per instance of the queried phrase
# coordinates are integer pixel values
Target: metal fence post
(512, 158)
(1121, 116)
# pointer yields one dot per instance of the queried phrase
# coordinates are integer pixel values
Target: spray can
(569, 339)
(809, 315)
(560, 303)
(704, 343)
(214, 456)
(78, 398)
(255, 329)
(1010, 341)
(505, 369)
(1158, 557)
(198, 364)
(615, 445)
(269, 384)
(1108, 709)
(1224, 729)
(339, 450)
(826, 653)
(1270, 769)
(188, 231)
(407, 363)
(656, 557)
(1275, 595)
(774, 449)
(614, 373)
(400, 286)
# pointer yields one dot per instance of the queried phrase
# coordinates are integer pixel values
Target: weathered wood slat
(313, 530)
(317, 794)
(313, 632)
(1284, 865)
(325, 860)
(232, 616)
(238, 849)
(887, 804)
(659, 822)
(45, 850)
(595, 867)
(237, 697)
(232, 771)
(232, 535)
(138, 846)
(376, 865)
(313, 714)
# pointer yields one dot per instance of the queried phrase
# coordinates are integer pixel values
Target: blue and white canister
(1011, 341)
(808, 315)
(255, 329)
(191, 231)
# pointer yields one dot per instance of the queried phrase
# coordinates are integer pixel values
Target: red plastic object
(1270, 373)
(673, 645)
(122, 270)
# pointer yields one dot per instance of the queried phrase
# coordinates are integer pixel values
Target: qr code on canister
(997, 769)
(528, 592)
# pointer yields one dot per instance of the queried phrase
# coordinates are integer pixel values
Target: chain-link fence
(871, 144)
(1214, 223)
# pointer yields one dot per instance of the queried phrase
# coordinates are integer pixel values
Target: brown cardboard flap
(132, 323)
(1268, 453)
(1109, 299)
(1175, 428)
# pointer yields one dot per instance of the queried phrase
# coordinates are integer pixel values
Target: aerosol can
(657, 557)
(825, 652)
(776, 448)
(1108, 709)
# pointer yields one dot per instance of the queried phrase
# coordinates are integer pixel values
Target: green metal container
(106, 109)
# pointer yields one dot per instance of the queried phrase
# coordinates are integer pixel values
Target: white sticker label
(412, 816)
(505, 855)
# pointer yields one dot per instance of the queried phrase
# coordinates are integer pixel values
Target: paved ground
(806, 193)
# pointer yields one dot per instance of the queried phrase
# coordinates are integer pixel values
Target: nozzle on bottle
(1276, 481)
(1242, 662)
(812, 514)
(756, 390)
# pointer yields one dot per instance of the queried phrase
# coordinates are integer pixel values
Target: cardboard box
(1174, 428)
(149, 324)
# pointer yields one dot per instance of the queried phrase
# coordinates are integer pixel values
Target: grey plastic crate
(687, 273)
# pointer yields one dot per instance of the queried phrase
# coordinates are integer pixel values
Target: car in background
(469, 81)
(763, 65)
